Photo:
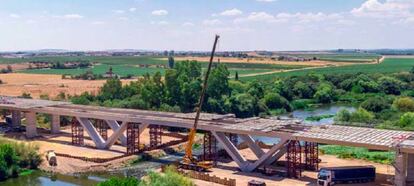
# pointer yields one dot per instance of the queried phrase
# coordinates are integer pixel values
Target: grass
(358, 153)
(390, 65)
(319, 117)
(352, 57)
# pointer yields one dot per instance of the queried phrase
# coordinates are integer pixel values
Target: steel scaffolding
(77, 132)
(293, 159)
(311, 156)
(155, 135)
(133, 143)
(102, 128)
(209, 147)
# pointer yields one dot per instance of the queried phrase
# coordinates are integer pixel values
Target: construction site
(97, 135)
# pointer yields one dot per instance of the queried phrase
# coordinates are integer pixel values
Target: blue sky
(191, 24)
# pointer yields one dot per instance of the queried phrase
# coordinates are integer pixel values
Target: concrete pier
(55, 124)
(16, 118)
(31, 130)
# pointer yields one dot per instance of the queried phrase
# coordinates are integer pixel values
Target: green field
(124, 70)
(127, 65)
(390, 65)
(352, 57)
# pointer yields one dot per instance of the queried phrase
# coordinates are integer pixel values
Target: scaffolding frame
(155, 136)
(102, 128)
(209, 147)
(311, 151)
(293, 159)
(77, 132)
(133, 142)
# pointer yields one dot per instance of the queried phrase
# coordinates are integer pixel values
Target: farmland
(390, 65)
(133, 65)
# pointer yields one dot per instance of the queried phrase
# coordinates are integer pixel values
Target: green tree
(407, 120)
(362, 116)
(111, 90)
(243, 105)
(404, 104)
(302, 90)
(236, 76)
(390, 85)
(324, 93)
(343, 115)
(375, 104)
(218, 82)
(170, 61)
(172, 87)
(275, 101)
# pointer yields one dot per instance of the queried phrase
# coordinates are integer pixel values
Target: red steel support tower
(133, 143)
(293, 159)
(77, 132)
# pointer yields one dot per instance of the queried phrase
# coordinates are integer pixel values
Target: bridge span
(284, 130)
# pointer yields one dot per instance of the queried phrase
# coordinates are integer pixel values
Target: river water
(39, 178)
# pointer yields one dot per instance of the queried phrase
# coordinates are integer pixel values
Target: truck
(329, 176)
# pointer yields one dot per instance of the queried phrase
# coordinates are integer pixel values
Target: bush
(362, 116)
(404, 104)
(343, 115)
(275, 101)
(169, 178)
(407, 120)
(120, 182)
(375, 104)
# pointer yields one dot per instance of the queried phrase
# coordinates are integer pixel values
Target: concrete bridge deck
(283, 129)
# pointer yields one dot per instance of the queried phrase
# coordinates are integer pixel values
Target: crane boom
(188, 157)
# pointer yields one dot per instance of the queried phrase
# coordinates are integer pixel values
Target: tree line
(179, 88)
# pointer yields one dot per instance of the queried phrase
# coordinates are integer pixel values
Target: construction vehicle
(189, 161)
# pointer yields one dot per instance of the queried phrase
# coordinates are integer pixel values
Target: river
(39, 178)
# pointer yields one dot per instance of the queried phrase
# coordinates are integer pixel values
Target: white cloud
(211, 22)
(188, 24)
(231, 12)
(159, 12)
(72, 16)
(267, 1)
(261, 16)
(386, 9)
(118, 11)
(14, 15)
(132, 9)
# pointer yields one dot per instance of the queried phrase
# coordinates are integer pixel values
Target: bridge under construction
(292, 136)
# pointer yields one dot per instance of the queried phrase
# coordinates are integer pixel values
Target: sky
(277, 25)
